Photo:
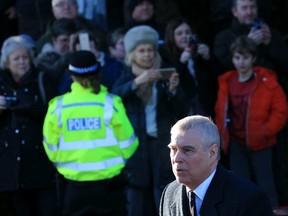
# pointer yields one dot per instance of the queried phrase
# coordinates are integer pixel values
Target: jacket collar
(210, 200)
(214, 194)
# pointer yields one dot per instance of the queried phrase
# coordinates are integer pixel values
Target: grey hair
(10, 45)
(130, 56)
(208, 130)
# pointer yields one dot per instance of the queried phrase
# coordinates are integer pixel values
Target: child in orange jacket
(251, 108)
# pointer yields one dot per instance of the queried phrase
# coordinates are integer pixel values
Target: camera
(257, 24)
(192, 43)
(11, 101)
(166, 72)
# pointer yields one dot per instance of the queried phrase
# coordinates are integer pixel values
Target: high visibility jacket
(88, 136)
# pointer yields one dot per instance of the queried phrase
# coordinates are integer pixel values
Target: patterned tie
(192, 205)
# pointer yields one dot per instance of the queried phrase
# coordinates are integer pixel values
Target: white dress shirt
(201, 190)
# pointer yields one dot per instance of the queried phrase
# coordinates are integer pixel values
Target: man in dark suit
(195, 153)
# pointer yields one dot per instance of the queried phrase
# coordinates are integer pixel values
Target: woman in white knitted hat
(153, 103)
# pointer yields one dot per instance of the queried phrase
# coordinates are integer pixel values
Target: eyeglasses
(63, 4)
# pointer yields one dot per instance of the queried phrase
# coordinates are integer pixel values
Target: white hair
(10, 45)
(207, 128)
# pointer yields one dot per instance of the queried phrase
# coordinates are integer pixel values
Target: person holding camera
(110, 69)
(153, 104)
(271, 48)
(192, 60)
(27, 176)
(54, 57)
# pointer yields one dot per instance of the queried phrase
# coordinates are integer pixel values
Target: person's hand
(185, 56)
(147, 76)
(11, 13)
(262, 35)
(204, 51)
(71, 42)
(266, 34)
(93, 49)
(173, 82)
(2, 103)
(256, 35)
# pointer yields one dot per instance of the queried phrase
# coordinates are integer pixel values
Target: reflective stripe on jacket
(88, 136)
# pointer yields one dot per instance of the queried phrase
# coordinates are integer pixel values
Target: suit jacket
(227, 194)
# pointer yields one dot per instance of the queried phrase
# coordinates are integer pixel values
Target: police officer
(88, 137)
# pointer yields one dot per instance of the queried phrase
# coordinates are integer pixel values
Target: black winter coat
(150, 163)
(23, 162)
(201, 89)
(273, 56)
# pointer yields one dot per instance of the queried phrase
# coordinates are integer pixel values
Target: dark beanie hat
(83, 63)
(133, 3)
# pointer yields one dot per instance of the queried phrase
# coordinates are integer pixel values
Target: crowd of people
(104, 82)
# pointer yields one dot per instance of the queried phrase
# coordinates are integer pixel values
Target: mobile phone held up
(193, 44)
(257, 24)
(166, 72)
(84, 41)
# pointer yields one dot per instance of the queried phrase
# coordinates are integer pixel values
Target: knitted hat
(83, 63)
(140, 35)
(133, 3)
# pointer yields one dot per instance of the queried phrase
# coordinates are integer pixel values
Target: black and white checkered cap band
(83, 70)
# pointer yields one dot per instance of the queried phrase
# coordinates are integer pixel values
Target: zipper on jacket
(248, 109)
(225, 122)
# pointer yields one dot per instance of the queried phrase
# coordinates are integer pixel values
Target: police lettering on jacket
(83, 124)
